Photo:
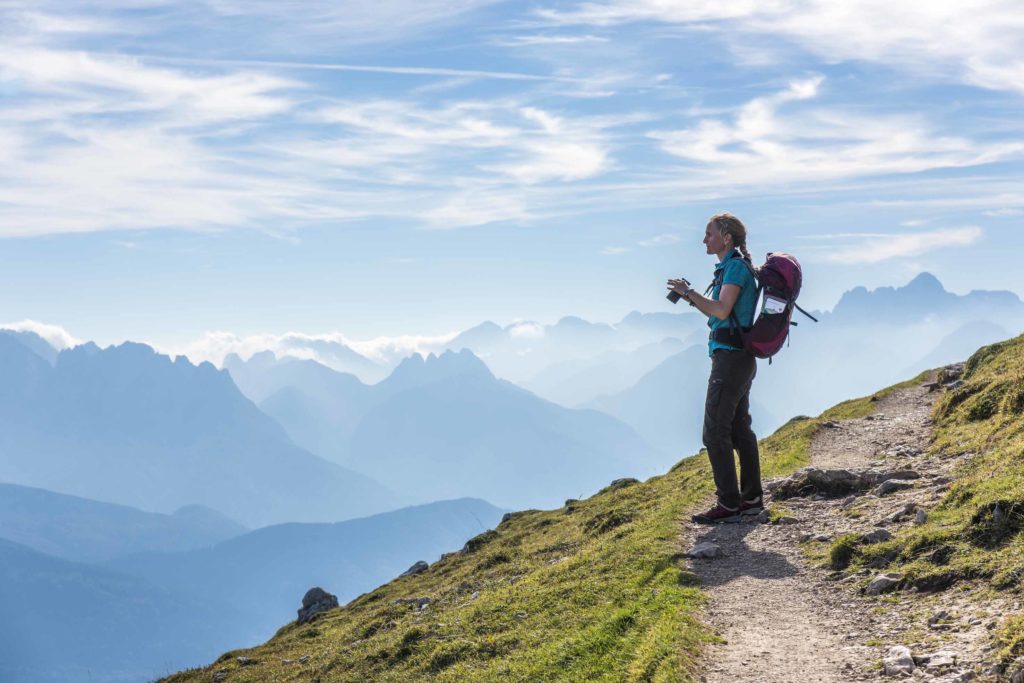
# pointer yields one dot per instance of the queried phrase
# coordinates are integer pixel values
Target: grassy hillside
(593, 591)
(975, 533)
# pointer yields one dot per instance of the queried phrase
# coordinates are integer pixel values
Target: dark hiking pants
(727, 427)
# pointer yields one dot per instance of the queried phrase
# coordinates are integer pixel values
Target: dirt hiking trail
(785, 620)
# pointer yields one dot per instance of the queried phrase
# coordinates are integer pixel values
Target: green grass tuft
(843, 550)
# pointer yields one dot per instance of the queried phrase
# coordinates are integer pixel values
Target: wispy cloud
(869, 248)
(976, 43)
(660, 240)
(777, 138)
(551, 39)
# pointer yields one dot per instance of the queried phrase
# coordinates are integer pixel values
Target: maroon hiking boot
(717, 515)
(752, 508)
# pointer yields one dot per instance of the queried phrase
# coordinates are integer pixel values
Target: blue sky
(404, 168)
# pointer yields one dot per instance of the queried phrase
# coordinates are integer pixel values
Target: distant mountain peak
(417, 369)
(925, 282)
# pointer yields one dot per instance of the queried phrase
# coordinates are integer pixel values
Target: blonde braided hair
(727, 224)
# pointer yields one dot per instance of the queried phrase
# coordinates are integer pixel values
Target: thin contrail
(401, 70)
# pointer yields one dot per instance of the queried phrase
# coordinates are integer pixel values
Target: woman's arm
(721, 308)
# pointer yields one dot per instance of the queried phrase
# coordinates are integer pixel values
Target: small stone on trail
(705, 551)
(937, 660)
(876, 536)
(921, 517)
(882, 583)
(955, 384)
(786, 519)
(848, 503)
(898, 661)
(763, 517)
(892, 485)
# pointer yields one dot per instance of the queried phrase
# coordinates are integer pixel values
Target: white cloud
(972, 42)
(526, 330)
(779, 138)
(660, 240)
(551, 39)
(875, 248)
(328, 349)
(54, 335)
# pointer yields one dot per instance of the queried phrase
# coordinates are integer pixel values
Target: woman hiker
(727, 408)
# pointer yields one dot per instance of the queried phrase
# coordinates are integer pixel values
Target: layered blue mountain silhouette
(266, 572)
(142, 616)
(68, 621)
(128, 425)
(75, 528)
(444, 427)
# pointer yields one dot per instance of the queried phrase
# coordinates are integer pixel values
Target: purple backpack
(779, 281)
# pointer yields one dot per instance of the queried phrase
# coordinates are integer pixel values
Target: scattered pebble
(705, 550)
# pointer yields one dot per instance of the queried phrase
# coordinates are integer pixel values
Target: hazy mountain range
(445, 427)
(141, 616)
(79, 529)
(128, 425)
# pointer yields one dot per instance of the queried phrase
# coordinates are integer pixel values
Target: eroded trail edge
(787, 619)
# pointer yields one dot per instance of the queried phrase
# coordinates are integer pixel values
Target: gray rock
(245, 661)
(898, 661)
(315, 601)
(879, 477)
(705, 551)
(417, 568)
(883, 583)
(955, 384)
(938, 617)
(876, 536)
(505, 517)
(937, 660)
(220, 675)
(951, 372)
(763, 517)
(1018, 675)
(892, 485)
(622, 483)
(786, 519)
(921, 517)
(848, 502)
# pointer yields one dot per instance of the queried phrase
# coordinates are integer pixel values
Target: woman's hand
(680, 286)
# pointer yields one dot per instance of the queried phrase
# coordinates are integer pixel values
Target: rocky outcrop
(834, 483)
(315, 601)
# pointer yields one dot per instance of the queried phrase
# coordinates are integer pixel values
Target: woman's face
(715, 241)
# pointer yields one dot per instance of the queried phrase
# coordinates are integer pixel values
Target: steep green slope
(593, 591)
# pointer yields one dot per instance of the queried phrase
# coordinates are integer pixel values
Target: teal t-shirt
(736, 273)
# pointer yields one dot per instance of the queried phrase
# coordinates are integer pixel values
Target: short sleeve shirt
(736, 273)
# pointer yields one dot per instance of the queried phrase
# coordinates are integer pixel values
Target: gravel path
(784, 620)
